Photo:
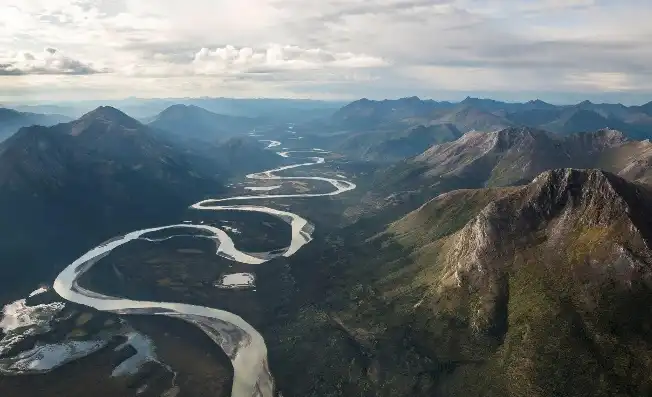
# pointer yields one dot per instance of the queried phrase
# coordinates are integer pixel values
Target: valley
(238, 339)
(345, 198)
(420, 261)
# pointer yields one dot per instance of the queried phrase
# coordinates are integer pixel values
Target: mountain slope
(365, 114)
(475, 114)
(537, 290)
(577, 120)
(501, 158)
(561, 265)
(12, 120)
(467, 117)
(632, 160)
(68, 187)
(241, 156)
(389, 146)
(193, 122)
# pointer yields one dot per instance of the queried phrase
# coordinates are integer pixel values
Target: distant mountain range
(195, 123)
(486, 115)
(277, 109)
(12, 120)
(410, 122)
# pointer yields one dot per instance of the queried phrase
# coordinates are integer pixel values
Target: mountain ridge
(12, 120)
(512, 156)
(88, 180)
(196, 123)
(487, 114)
(537, 289)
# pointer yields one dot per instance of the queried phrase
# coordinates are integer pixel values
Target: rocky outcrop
(552, 213)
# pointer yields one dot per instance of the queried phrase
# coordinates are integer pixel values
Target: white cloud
(603, 81)
(273, 59)
(277, 58)
(49, 61)
(402, 46)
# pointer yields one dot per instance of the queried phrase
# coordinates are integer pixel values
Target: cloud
(49, 61)
(277, 58)
(274, 59)
(395, 47)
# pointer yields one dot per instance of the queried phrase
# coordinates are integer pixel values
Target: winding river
(239, 340)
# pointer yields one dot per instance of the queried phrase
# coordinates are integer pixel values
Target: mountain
(632, 160)
(391, 146)
(577, 120)
(487, 105)
(364, 114)
(585, 116)
(12, 120)
(537, 104)
(537, 290)
(269, 109)
(507, 156)
(51, 109)
(195, 123)
(241, 156)
(501, 158)
(405, 113)
(68, 187)
(646, 108)
(214, 142)
(467, 117)
(274, 109)
(485, 115)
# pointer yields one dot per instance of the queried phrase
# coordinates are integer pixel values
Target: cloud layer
(334, 48)
(274, 59)
(49, 61)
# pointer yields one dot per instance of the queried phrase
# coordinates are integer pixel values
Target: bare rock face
(507, 157)
(554, 213)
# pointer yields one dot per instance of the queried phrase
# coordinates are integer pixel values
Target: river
(241, 342)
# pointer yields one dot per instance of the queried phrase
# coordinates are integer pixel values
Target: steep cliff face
(569, 218)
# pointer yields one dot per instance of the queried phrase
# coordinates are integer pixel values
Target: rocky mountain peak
(560, 201)
(106, 113)
(563, 215)
(8, 114)
(104, 118)
(557, 188)
(180, 111)
(513, 133)
(412, 99)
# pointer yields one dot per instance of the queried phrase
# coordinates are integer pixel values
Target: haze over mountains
(11, 120)
(144, 108)
(489, 115)
(196, 123)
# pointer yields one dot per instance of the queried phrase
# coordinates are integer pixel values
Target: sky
(515, 50)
